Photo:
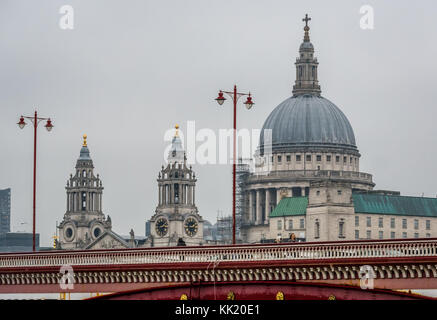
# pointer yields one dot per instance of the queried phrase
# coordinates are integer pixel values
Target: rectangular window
(279, 224)
(416, 235)
(272, 159)
(298, 157)
(344, 159)
(404, 223)
(381, 234)
(319, 158)
(357, 234)
(357, 221)
(416, 224)
(369, 221)
(351, 159)
(317, 229)
(302, 223)
(290, 224)
(392, 235)
(428, 224)
(328, 158)
(428, 235)
(392, 222)
(337, 158)
(308, 157)
(279, 158)
(404, 235)
(380, 222)
(368, 234)
(341, 229)
(339, 192)
(288, 158)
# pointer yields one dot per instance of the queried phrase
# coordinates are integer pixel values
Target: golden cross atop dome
(306, 19)
(177, 130)
(84, 140)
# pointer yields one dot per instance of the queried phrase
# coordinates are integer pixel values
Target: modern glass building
(5, 211)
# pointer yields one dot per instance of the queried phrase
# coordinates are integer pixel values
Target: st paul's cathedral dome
(307, 121)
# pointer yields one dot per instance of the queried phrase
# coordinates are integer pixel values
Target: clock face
(191, 227)
(161, 226)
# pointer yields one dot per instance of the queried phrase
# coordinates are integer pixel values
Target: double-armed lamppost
(249, 103)
(35, 121)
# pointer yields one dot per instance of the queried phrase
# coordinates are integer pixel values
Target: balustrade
(243, 253)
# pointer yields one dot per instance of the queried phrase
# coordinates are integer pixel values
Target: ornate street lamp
(249, 103)
(49, 126)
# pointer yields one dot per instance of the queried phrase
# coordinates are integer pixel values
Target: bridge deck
(394, 264)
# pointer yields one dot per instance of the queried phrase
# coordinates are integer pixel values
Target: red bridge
(261, 271)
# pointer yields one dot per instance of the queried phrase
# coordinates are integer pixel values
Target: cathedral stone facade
(176, 220)
(310, 185)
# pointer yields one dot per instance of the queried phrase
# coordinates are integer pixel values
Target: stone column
(194, 195)
(165, 194)
(94, 201)
(267, 204)
(189, 194)
(251, 217)
(258, 207)
(278, 195)
(159, 195)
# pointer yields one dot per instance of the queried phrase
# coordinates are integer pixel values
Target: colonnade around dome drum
(264, 192)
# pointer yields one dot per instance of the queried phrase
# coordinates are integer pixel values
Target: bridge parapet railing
(239, 253)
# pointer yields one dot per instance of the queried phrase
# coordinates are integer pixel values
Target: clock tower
(84, 221)
(176, 219)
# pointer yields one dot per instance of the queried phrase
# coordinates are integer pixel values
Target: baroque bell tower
(84, 220)
(176, 219)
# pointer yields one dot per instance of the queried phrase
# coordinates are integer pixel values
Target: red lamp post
(249, 103)
(49, 126)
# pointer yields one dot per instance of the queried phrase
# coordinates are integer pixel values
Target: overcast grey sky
(130, 70)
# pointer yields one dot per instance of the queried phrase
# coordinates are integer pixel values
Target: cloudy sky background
(130, 70)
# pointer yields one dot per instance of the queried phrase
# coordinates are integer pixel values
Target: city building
(18, 242)
(5, 211)
(84, 225)
(176, 220)
(310, 186)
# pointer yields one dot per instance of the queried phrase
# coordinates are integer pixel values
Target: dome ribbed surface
(308, 121)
